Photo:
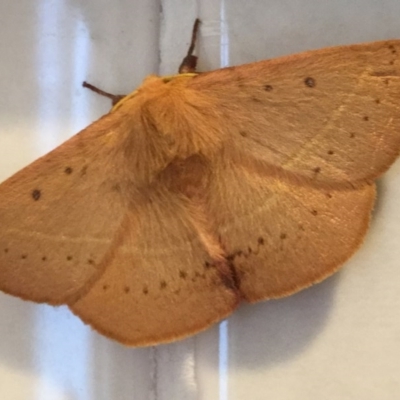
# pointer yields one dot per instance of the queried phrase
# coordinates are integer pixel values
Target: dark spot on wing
(105, 287)
(328, 195)
(366, 118)
(256, 100)
(352, 134)
(163, 285)
(145, 290)
(24, 256)
(182, 274)
(36, 194)
(127, 289)
(44, 258)
(68, 170)
(317, 170)
(242, 133)
(268, 88)
(310, 82)
(69, 258)
(377, 101)
(116, 187)
(90, 261)
(330, 152)
(207, 265)
(283, 236)
(230, 257)
(314, 212)
(260, 240)
(5, 250)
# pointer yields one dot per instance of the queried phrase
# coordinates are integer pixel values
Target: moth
(201, 190)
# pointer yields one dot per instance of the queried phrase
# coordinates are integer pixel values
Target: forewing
(331, 116)
(59, 216)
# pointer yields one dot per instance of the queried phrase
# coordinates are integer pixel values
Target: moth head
(172, 118)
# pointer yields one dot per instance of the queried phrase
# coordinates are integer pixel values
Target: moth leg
(115, 98)
(189, 63)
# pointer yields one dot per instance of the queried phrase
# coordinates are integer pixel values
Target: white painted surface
(337, 340)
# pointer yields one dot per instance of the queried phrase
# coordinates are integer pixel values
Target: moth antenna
(189, 63)
(115, 98)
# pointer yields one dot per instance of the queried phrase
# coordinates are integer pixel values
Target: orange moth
(201, 190)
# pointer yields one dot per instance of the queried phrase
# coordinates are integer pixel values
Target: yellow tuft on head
(164, 79)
